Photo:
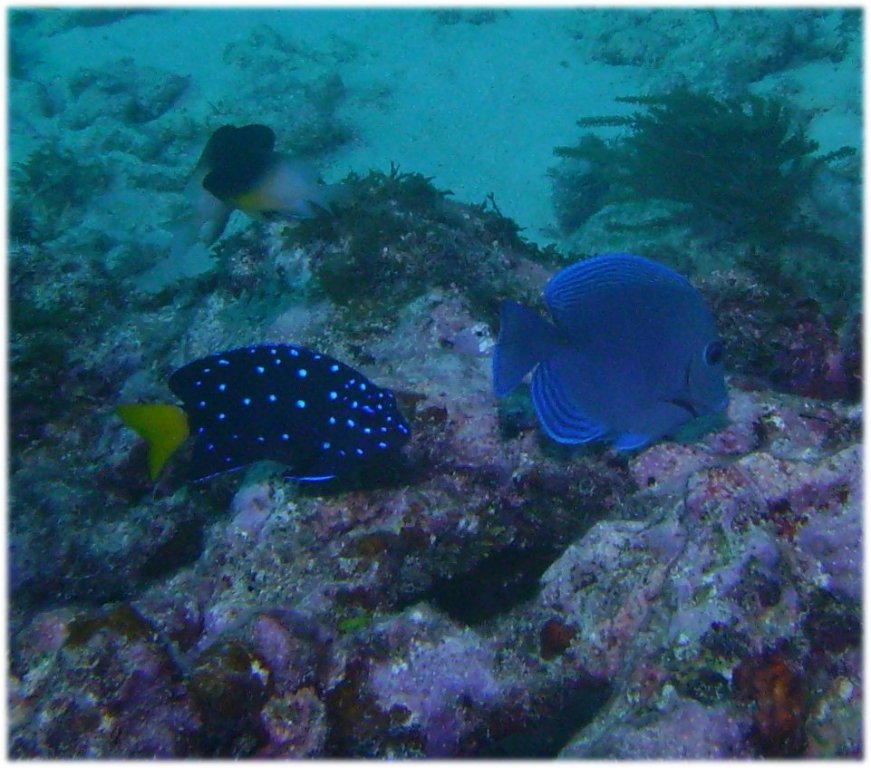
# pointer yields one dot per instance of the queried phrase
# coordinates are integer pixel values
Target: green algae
(47, 188)
(740, 161)
(734, 169)
(353, 623)
(122, 620)
(398, 236)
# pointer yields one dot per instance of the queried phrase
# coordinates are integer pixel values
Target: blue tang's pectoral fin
(630, 441)
(560, 417)
(661, 419)
(524, 340)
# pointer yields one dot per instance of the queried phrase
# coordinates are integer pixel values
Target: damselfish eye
(713, 353)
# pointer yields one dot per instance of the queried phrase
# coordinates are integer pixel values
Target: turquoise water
(428, 163)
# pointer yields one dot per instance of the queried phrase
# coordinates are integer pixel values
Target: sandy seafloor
(479, 107)
(477, 100)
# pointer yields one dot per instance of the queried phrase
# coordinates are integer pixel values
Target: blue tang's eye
(713, 353)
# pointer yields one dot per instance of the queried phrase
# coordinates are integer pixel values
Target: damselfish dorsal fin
(163, 427)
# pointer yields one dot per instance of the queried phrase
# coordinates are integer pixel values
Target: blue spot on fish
(258, 430)
(631, 355)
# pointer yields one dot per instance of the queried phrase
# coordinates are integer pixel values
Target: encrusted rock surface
(491, 593)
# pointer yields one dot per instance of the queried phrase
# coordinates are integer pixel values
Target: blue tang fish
(631, 355)
(280, 402)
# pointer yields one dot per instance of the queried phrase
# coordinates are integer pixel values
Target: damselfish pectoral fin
(164, 428)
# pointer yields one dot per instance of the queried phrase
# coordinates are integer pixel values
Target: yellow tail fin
(164, 427)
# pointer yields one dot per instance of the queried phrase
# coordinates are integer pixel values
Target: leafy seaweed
(738, 165)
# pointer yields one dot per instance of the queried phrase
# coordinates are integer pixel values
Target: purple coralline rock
(456, 384)
(440, 685)
(109, 690)
(627, 581)
(746, 547)
(295, 724)
(175, 607)
(687, 559)
(665, 467)
(421, 686)
(290, 645)
(682, 729)
(250, 508)
(492, 594)
(830, 541)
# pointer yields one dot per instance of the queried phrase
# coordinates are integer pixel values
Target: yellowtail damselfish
(240, 169)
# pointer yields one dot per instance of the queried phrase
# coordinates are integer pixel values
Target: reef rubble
(548, 601)
(491, 593)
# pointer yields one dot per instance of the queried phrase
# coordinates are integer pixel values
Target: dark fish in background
(240, 169)
(277, 402)
(631, 355)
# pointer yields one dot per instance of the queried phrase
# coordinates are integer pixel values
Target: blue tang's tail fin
(525, 339)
